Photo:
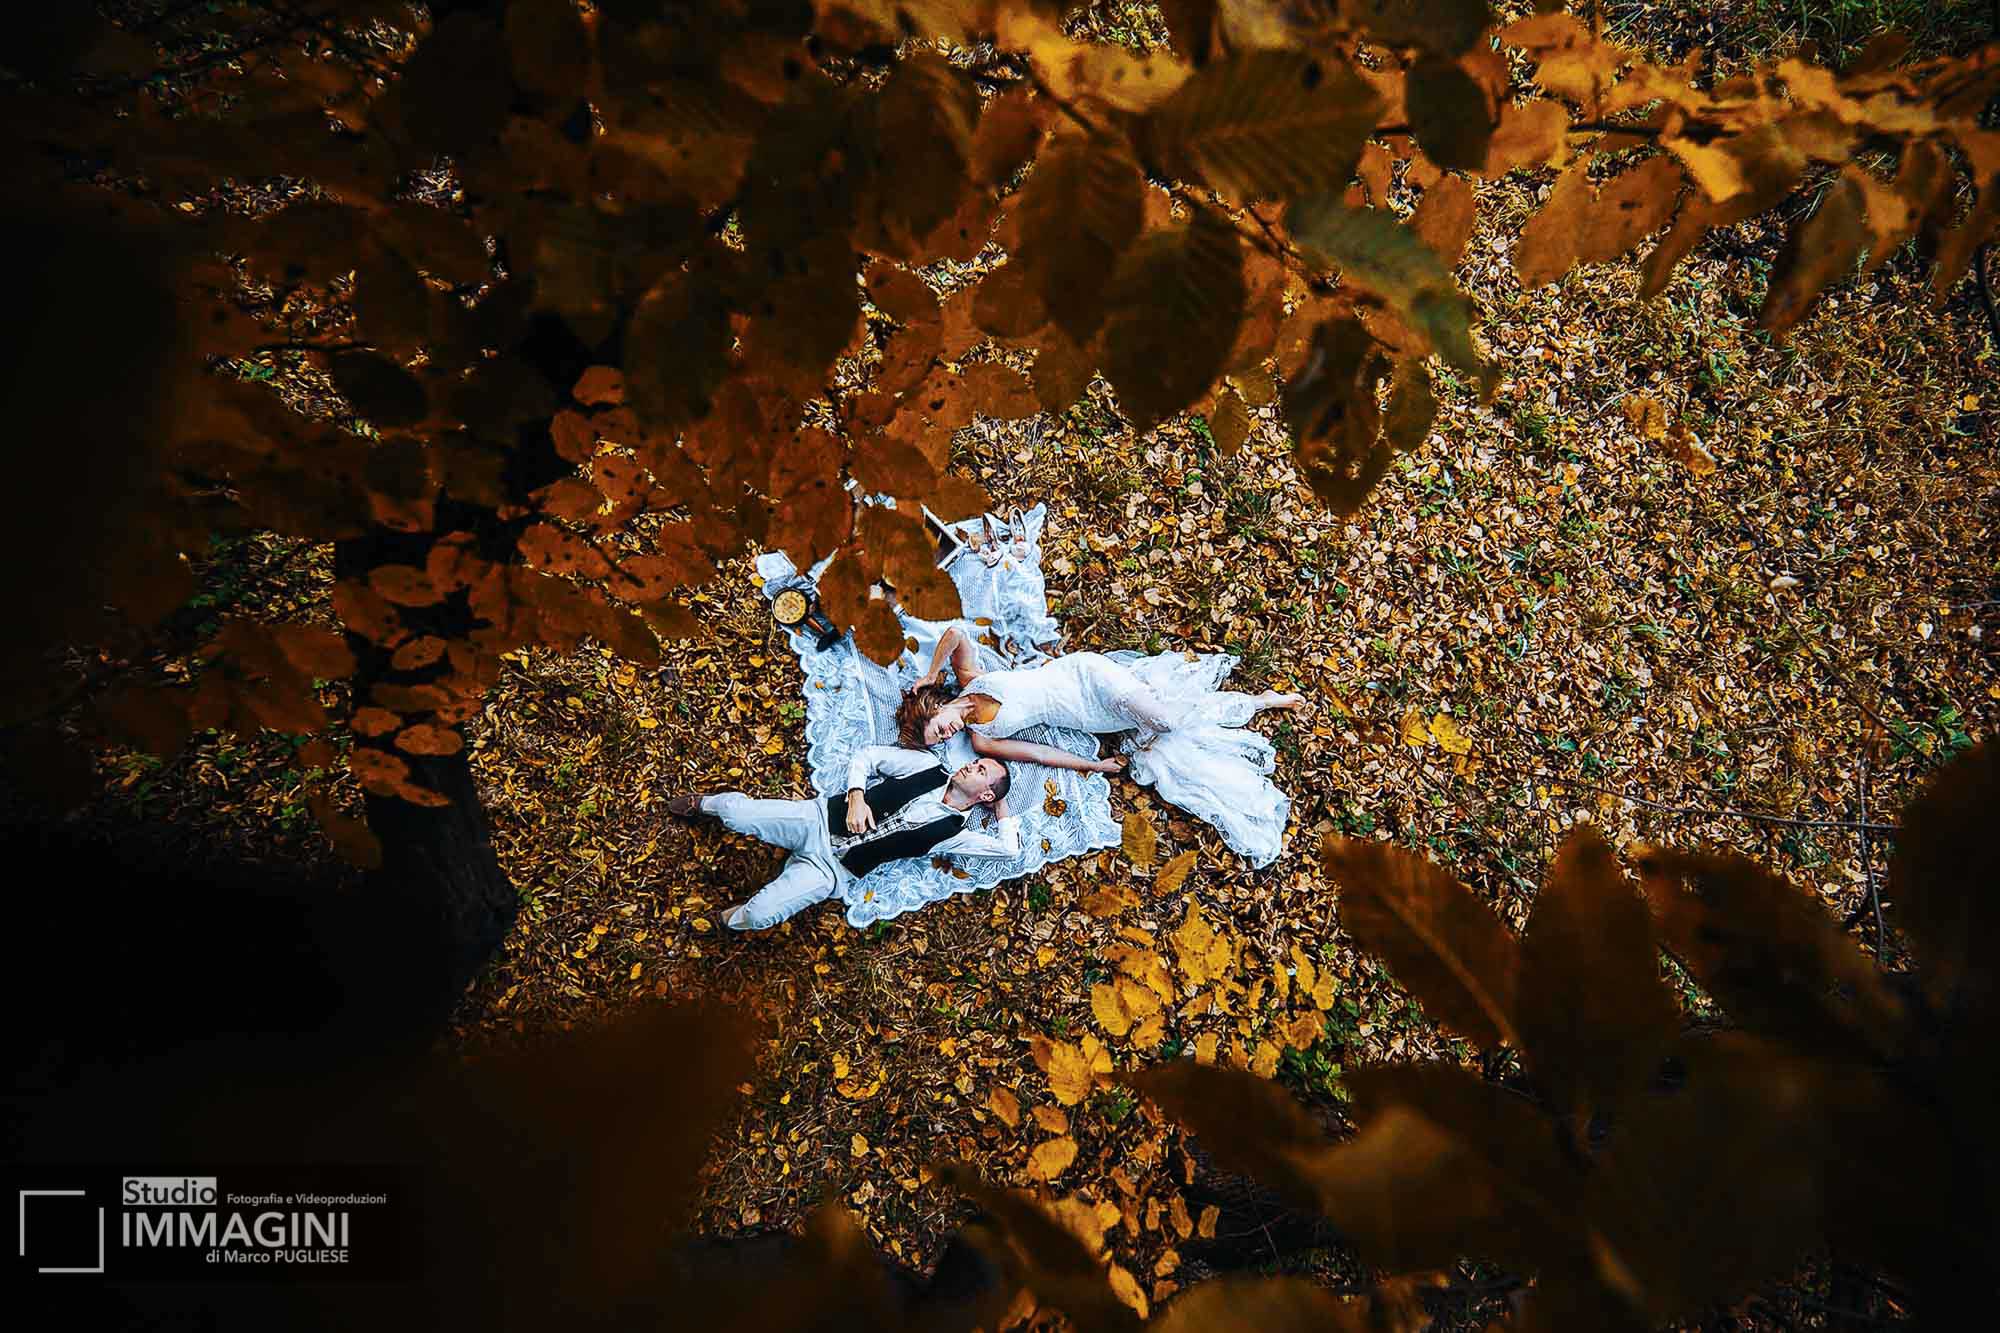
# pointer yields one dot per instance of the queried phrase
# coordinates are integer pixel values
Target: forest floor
(1540, 617)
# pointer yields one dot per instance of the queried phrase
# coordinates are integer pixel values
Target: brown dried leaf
(1174, 873)
(1770, 954)
(1530, 134)
(1945, 849)
(1230, 423)
(1444, 217)
(1443, 945)
(1000, 391)
(1079, 211)
(1594, 1015)
(1576, 226)
(1109, 901)
(1110, 1012)
(1177, 299)
(1816, 252)
(1451, 114)
(1265, 125)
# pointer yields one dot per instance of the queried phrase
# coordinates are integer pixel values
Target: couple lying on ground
(1182, 736)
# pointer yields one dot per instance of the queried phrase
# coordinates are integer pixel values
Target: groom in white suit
(899, 804)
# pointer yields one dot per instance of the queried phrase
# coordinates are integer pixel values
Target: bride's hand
(1114, 764)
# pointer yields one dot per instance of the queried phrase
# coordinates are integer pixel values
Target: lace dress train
(1189, 742)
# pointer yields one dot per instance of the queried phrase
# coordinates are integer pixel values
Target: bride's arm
(1028, 752)
(964, 658)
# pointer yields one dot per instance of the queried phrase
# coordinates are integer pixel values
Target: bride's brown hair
(919, 706)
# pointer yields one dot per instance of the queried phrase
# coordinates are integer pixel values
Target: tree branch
(1984, 282)
(1709, 812)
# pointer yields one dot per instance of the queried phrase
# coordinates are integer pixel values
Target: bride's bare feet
(1289, 703)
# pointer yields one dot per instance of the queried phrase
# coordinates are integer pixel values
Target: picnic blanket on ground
(851, 702)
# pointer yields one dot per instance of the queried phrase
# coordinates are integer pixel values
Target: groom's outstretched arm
(884, 761)
(1003, 841)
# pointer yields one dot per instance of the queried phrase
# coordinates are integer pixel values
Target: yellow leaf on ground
(1304, 1030)
(1052, 1118)
(1111, 1015)
(1137, 999)
(1414, 731)
(1174, 873)
(1143, 966)
(1140, 843)
(1126, 1287)
(1005, 1105)
(1449, 736)
(1205, 1228)
(1204, 1048)
(1646, 416)
(1306, 970)
(1110, 901)
(1264, 1064)
(840, 1066)
(1177, 1213)
(1193, 943)
(1323, 991)
(1067, 1067)
(1081, 1220)
(1051, 1158)
(1150, 1033)
(858, 1146)
(1096, 1054)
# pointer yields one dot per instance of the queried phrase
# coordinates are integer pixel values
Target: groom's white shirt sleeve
(878, 761)
(1004, 840)
(883, 761)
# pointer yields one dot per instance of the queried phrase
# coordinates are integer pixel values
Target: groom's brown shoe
(686, 805)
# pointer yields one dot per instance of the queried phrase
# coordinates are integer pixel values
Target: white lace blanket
(851, 702)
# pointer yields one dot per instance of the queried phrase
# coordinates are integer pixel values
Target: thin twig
(210, 60)
(1089, 127)
(1760, 816)
(310, 347)
(1868, 863)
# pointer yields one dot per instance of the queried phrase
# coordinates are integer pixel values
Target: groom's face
(979, 780)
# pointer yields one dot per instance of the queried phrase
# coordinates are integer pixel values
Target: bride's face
(947, 722)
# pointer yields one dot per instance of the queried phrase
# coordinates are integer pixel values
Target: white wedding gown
(1189, 743)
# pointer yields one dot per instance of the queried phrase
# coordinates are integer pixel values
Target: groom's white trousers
(810, 874)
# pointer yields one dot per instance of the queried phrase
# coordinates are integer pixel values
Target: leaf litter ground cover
(1669, 562)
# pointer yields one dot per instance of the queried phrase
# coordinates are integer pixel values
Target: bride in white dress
(1189, 741)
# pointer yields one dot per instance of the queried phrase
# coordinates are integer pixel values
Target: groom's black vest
(885, 798)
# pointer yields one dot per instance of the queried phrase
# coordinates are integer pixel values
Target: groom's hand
(859, 817)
